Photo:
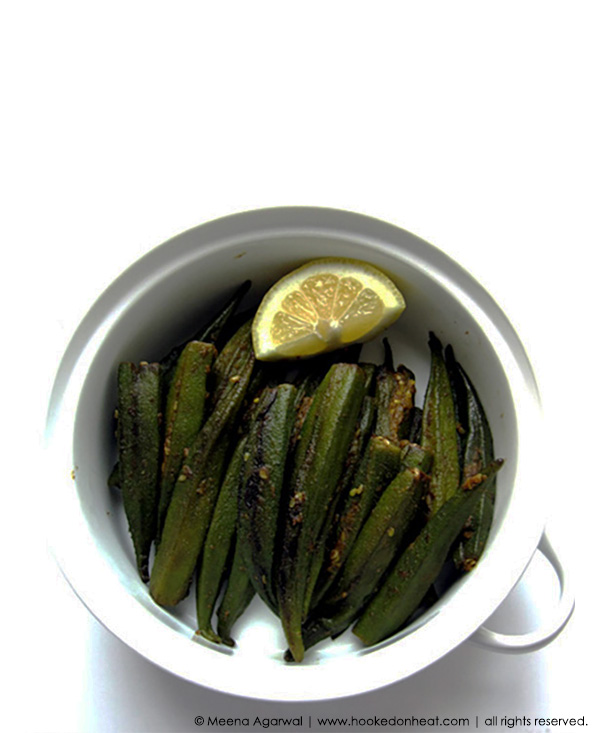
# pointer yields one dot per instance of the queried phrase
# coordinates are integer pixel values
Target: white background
(473, 124)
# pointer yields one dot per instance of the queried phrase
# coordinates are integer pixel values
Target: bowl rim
(157, 636)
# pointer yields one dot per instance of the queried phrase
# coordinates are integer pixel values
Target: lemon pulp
(324, 305)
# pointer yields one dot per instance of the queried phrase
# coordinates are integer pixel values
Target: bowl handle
(534, 640)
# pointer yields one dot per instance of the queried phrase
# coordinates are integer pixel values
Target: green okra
(394, 395)
(186, 524)
(218, 545)
(362, 435)
(307, 391)
(184, 415)
(360, 439)
(302, 409)
(476, 532)
(438, 431)
(378, 466)
(261, 486)
(375, 548)
(266, 375)
(211, 332)
(419, 565)
(312, 375)
(308, 379)
(318, 463)
(478, 452)
(342, 598)
(355, 451)
(311, 372)
(459, 395)
(196, 488)
(381, 535)
(370, 371)
(232, 361)
(139, 442)
(479, 443)
(413, 455)
(239, 591)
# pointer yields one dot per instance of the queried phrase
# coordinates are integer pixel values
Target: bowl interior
(167, 307)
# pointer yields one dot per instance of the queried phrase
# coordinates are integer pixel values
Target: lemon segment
(324, 305)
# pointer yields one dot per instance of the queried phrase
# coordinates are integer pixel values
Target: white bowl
(159, 301)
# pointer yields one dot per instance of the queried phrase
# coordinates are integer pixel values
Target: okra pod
(302, 409)
(186, 525)
(459, 396)
(476, 532)
(478, 451)
(376, 546)
(196, 488)
(413, 455)
(139, 441)
(438, 432)
(266, 375)
(418, 566)
(218, 545)
(380, 537)
(319, 461)
(378, 466)
(360, 439)
(232, 361)
(313, 375)
(239, 591)
(479, 443)
(394, 395)
(311, 372)
(184, 415)
(262, 484)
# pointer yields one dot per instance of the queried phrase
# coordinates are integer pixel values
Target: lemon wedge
(324, 305)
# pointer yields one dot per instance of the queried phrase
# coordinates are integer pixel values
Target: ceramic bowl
(159, 301)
